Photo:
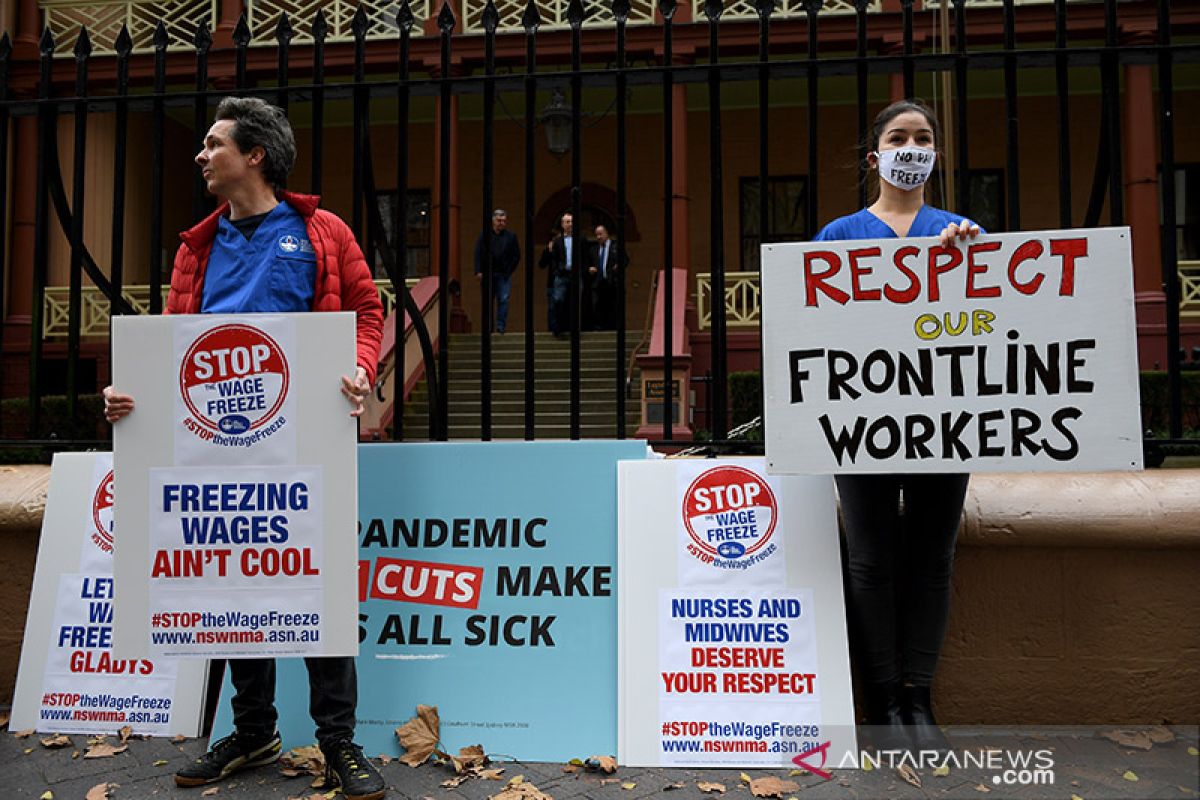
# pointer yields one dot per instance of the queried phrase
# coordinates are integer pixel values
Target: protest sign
(486, 588)
(732, 629)
(235, 485)
(69, 681)
(1008, 352)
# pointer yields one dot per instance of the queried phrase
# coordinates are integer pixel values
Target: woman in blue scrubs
(900, 528)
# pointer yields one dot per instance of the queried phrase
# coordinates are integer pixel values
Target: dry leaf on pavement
(941, 772)
(1139, 740)
(125, 733)
(100, 791)
(979, 787)
(709, 786)
(521, 791)
(672, 786)
(419, 736)
(298, 761)
(771, 786)
(628, 786)
(25, 734)
(104, 750)
(491, 774)
(3, 719)
(1130, 775)
(569, 768)
(210, 792)
(468, 757)
(61, 740)
(603, 763)
(606, 781)
(457, 780)
(47, 795)
(909, 774)
(178, 738)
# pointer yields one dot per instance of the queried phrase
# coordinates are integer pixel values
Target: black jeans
(332, 696)
(901, 558)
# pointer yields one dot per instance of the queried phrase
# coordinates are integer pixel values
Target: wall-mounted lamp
(556, 118)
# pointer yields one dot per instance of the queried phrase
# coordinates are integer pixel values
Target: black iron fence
(835, 58)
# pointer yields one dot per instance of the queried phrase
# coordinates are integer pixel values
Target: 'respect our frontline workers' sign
(732, 630)
(235, 485)
(1007, 352)
(69, 680)
(490, 594)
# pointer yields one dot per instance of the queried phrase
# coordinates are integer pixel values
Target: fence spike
(320, 26)
(124, 42)
(160, 36)
(531, 19)
(621, 9)
(5, 46)
(83, 44)
(445, 19)
(241, 31)
(283, 29)
(667, 8)
(764, 7)
(46, 43)
(359, 23)
(813, 7)
(203, 38)
(404, 16)
(576, 13)
(491, 17)
(714, 8)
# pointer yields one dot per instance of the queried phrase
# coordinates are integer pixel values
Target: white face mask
(906, 167)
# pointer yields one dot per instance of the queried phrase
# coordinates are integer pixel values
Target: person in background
(602, 296)
(900, 528)
(505, 257)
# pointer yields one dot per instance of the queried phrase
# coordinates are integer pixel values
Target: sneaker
(347, 767)
(227, 756)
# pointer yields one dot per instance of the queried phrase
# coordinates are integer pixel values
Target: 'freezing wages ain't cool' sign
(1012, 351)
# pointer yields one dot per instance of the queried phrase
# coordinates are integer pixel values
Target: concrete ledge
(1074, 597)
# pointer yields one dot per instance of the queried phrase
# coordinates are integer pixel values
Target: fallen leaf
(178, 738)
(979, 787)
(909, 774)
(491, 774)
(745, 778)
(47, 795)
(606, 781)
(1139, 740)
(468, 757)
(628, 786)
(298, 761)
(576, 762)
(125, 732)
(1160, 734)
(25, 734)
(28, 750)
(516, 780)
(1076, 797)
(1130, 775)
(1193, 751)
(672, 786)
(100, 791)
(384, 759)
(941, 771)
(161, 762)
(569, 768)
(74, 754)
(796, 772)
(457, 780)
(603, 763)
(867, 766)
(210, 792)
(102, 750)
(770, 786)
(708, 786)
(419, 736)
(521, 791)
(61, 740)
(3, 719)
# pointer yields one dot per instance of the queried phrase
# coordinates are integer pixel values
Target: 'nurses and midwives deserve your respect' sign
(1007, 352)
(236, 486)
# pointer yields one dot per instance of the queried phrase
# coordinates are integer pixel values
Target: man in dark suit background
(557, 261)
(602, 289)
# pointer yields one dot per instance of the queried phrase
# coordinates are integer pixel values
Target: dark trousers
(901, 557)
(332, 696)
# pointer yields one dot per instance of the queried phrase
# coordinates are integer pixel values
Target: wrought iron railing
(742, 299)
(95, 307)
(1189, 288)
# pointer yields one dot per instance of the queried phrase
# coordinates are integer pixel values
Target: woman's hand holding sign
(116, 405)
(958, 230)
(356, 390)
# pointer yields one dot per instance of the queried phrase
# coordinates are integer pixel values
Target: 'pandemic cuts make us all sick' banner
(732, 630)
(236, 485)
(1008, 352)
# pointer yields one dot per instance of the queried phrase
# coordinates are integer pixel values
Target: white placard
(743, 662)
(1010, 352)
(70, 681)
(236, 481)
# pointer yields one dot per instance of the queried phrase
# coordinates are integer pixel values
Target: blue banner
(487, 588)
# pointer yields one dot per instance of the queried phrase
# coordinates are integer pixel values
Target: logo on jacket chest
(291, 244)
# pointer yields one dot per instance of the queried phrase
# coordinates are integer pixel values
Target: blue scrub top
(863, 224)
(275, 270)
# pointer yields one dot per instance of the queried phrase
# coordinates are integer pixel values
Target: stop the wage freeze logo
(730, 513)
(234, 382)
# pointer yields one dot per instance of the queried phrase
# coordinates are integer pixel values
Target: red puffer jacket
(343, 279)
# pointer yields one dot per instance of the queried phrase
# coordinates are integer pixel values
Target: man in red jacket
(268, 250)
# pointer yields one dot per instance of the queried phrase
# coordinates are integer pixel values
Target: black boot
(884, 728)
(916, 711)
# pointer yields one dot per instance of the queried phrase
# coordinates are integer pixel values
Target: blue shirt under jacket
(275, 270)
(863, 224)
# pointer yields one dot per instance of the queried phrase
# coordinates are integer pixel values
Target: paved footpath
(1086, 766)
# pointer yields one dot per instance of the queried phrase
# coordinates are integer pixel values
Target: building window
(1187, 212)
(416, 232)
(785, 214)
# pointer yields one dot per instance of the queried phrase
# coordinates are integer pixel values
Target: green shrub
(56, 423)
(1156, 402)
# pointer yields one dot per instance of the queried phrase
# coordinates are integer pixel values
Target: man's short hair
(257, 123)
(499, 212)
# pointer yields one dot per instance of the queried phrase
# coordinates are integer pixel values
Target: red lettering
(1068, 250)
(857, 271)
(974, 268)
(1026, 252)
(814, 281)
(936, 270)
(914, 283)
